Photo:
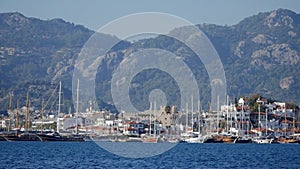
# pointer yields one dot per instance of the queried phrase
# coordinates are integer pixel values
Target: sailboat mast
(27, 113)
(154, 127)
(59, 108)
(77, 105)
(187, 118)
(242, 128)
(150, 118)
(227, 113)
(294, 114)
(285, 122)
(192, 110)
(10, 111)
(42, 115)
(259, 116)
(59, 100)
(17, 115)
(231, 115)
(218, 118)
(210, 126)
(199, 119)
(266, 122)
(199, 106)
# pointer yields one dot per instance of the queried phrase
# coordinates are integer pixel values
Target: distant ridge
(261, 54)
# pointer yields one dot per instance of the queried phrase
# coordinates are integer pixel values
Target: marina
(232, 123)
(108, 84)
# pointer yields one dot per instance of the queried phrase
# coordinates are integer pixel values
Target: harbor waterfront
(247, 120)
(157, 84)
(89, 155)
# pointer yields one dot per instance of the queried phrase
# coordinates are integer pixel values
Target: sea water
(90, 155)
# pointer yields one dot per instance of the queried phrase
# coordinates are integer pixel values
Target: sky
(95, 13)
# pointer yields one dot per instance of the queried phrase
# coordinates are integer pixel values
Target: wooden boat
(150, 139)
(229, 139)
(212, 140)
(287, 140)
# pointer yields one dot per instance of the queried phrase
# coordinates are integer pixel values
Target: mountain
(35, 55)
(260, 54)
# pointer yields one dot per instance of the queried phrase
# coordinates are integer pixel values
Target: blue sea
(90, 155)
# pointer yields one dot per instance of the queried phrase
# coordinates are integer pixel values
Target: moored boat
(263, 140)
(229, 139)
(21, 137)
(243, 140)
(50, 136)
(287, 140)
(150, 139)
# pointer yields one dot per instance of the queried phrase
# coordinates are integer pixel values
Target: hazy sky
(95, 13)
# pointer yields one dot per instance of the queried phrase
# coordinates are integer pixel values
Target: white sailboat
(201, 138)
(260, 139)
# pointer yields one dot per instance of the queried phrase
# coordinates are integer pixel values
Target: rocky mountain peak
(280, 17)
(16, 20)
